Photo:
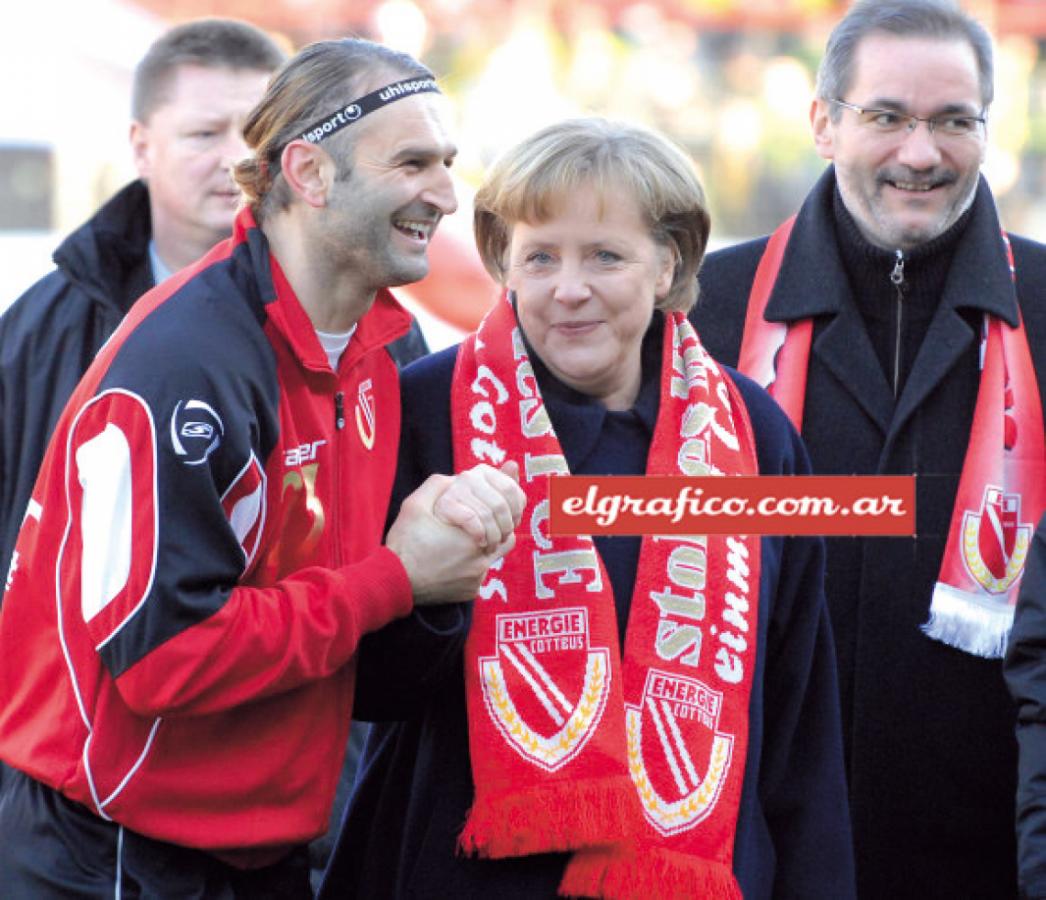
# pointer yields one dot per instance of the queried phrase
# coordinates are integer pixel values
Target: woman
(539, 752)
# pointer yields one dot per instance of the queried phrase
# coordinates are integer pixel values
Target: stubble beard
(887, 230)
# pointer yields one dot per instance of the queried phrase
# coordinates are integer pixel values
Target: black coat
(1025, 669)
(929, 730)
(415, 783)
(50, 335)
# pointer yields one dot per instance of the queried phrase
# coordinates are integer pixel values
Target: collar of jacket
(383, 323)
(100, 255)
(812, 281)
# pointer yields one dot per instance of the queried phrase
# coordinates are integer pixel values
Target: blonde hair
(525, 184)
(322, 77)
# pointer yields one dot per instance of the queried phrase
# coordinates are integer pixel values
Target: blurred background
(731, 80)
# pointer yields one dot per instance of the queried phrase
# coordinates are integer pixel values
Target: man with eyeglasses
(904, 332)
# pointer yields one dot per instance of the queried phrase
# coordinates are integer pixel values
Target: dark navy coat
(415, 784)
(50, 334)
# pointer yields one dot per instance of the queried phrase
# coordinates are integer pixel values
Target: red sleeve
(149, 564)
(267, 640)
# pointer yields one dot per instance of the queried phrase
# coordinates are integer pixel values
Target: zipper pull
(897, 275)
(897, 279)
(339, 410)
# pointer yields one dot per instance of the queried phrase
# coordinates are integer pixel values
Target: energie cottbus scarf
(565, 736)
(1001, 491)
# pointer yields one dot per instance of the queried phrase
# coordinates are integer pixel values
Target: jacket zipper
(339, 409)
(897, 279)
(339, 425)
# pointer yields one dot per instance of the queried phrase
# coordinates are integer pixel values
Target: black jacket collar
(812, 281)
(108, 256)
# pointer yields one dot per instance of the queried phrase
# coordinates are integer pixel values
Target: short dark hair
(938, 19)
(213, 43)
(321, 78)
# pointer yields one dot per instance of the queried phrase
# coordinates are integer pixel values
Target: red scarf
(1002, 489)
(557, 722)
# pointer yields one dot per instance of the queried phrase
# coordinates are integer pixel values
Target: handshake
(453, 527)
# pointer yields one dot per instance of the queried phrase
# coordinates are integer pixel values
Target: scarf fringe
(619, 874)
(963, 620)
(553, 817)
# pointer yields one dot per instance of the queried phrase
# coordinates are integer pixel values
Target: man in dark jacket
(877, 309)
(191, 93)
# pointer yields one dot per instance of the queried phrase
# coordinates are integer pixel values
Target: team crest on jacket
(677, 756)
(995, 541)
(545, 688)
(365, 419)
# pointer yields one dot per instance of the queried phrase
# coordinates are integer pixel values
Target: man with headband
(191, 93)
(203, 549)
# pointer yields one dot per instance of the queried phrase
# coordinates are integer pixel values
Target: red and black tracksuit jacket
(200, 558)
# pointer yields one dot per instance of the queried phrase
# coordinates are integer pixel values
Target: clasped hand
(453, 527)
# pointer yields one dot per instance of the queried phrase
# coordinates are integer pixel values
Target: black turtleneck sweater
(897, 316)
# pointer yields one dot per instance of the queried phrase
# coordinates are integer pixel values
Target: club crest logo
(677, 756)
(545, 688)
(365, 418)
(995, 541)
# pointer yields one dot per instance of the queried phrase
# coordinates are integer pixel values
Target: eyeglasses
(889, 121)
